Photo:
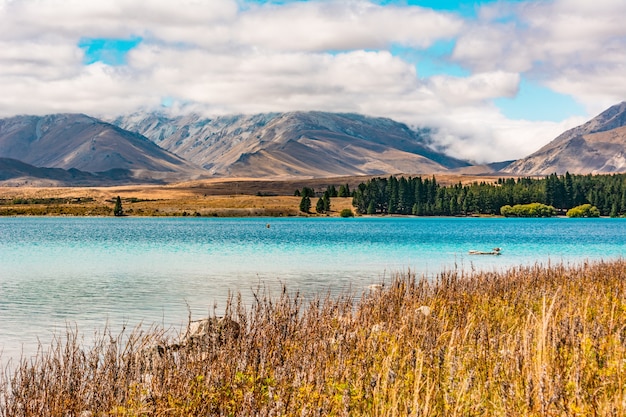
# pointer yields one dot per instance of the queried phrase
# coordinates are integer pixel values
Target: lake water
(124, 271)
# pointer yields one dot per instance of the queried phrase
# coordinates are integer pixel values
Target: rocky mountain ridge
(293, 144)
(595, 147)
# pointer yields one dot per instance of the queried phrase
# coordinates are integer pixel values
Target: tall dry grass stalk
(532, 341)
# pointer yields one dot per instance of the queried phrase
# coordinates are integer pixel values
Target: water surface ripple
(94, 271)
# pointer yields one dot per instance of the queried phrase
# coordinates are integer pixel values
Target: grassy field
(225, 198)
(218, 197)
(531, 341)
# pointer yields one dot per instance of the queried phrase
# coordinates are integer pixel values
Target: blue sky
(496, 79)
(465, 8)
(108, 51)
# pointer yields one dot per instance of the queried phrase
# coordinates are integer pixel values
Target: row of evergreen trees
(323, 203)
(425, 197)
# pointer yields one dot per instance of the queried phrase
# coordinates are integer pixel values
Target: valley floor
(230, 197)
(218, 199)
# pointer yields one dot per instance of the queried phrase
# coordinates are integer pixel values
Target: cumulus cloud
(115, 18)
(275, 81)
(475, 88)
(343, 25)
(567, 44)
(484, 135)
(336, 55)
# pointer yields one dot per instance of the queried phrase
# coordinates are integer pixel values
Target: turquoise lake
(93, 272)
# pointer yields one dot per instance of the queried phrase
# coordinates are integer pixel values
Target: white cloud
(475, 88)
(112, 18)
(275, 81)
(564, 43)
(343, 25)
(318, 55)
(41, 60)
(484, 135)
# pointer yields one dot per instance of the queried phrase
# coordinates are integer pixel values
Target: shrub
(346, 213)
(528, 210)
(585, 210)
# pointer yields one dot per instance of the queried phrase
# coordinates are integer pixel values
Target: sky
(493, 79)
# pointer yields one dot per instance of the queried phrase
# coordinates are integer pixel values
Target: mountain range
(296, 144)
(76, 149)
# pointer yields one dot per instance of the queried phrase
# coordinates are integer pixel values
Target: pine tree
(319, 207)
(307, 192)
(569, 190)
(326, 200)
(118, 210)
(305, 204)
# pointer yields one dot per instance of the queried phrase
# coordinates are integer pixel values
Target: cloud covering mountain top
(426, 67)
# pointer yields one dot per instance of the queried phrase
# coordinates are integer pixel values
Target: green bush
(584, 210)
(346, 213)
(528, 210)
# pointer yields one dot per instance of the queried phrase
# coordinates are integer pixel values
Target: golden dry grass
(532, 341)
(229, 198)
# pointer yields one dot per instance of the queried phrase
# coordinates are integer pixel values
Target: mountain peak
(81, 142)
(611, 118)
(597, 146)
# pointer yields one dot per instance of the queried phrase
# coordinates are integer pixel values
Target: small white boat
(494, 251)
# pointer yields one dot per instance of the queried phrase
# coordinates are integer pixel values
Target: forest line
(425, 197)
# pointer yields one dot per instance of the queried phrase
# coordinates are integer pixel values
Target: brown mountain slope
(76, 141)
(596, 147)
(297, 144)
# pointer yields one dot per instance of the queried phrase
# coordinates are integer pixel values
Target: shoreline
(221, 196)
(492, 343)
